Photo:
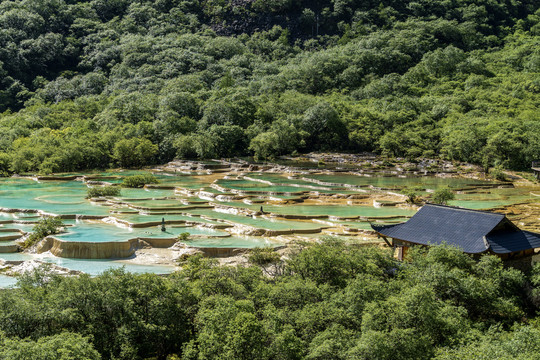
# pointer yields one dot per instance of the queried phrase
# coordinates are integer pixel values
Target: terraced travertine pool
(229, 209)
(96, 267)
(93, 231)
(247, 242)
(394, 182)
(89, 266)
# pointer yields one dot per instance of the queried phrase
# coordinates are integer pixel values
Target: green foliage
(498, 173)
(443, 196)
(282, 138)
(522, 343)
(5, 165)
(92, 85)
(445, 269)
(96, 191)
(399, 344)
(535, 280)
(332, 263)
(97, 83)
(412, 194)
(263, 256)
(45, 227)
(134, 152)
(268, 260)
(330, 301)
(138, 181)
(183, 236)
(323, 127)
(64, 346)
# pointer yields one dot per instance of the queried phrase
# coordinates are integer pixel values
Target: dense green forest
(92, 84)
(327, 301)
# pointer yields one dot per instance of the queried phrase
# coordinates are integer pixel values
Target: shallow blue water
(233, 242)
(7, 281)
(92, 267)
(96, 267)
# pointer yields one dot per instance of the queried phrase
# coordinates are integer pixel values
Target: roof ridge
(464, 209)
(530, 232)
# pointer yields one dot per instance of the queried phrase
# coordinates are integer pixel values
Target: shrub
(183, 236)
(268, 260)
(497, 173)
(5, 163)
(65, 345)
(135, 152)
(263, 256)
(412, 194)
(443, 196)
(138, 181)
(45, 227)
(102, 191)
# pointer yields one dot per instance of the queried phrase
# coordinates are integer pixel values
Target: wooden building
(536, 169)
(473, 231)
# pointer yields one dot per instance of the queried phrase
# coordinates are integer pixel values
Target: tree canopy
(90, 84)
(327, 300)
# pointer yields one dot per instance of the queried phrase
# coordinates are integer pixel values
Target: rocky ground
(16, 268)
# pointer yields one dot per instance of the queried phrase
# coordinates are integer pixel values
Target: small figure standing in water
(163, 224)
(262, 211)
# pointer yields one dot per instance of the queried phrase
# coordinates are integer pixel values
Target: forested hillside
(92, 84)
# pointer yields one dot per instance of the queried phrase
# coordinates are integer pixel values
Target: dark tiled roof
(437, 224)
(507, 242)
